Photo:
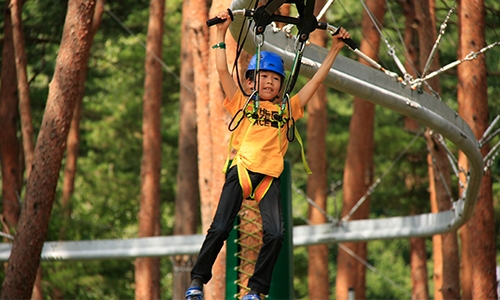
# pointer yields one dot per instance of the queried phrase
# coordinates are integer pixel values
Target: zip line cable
(391, 51)
(312, 203)
(158, 59)
(325, 8)
(358, 27)
(471, 56)
(367, 58)
(379, 179)
(407, 77)
(441, 176)
(373, 269)
(442, 30)
(345, 248)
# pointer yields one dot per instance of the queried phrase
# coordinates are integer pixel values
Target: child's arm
(306, 93)
(227, 81)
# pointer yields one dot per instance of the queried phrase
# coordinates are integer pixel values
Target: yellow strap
(304, 161)
(226, 164)
(230, 147)
(252, 120)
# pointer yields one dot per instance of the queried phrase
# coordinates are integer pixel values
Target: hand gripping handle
(217, 20)
(349, 42)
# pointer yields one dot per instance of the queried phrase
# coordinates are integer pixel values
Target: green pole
(282, 281)
(232, 263)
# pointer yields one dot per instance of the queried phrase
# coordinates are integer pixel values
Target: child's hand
(224, 15)
(337, 41)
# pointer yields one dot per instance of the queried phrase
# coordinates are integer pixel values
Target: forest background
(106, 198)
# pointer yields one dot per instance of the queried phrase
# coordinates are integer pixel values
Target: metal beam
(361, 230)
(114, 249)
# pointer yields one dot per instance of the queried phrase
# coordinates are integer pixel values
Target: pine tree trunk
(214, 123)
(478, 235)
(9, 143)
(358, 172)
(22, 84)
(40, 191)
(74, 133)
(418, 260)
(24, 104)
(186, 201)
(317, 185)
(418, 254)
(446, 266)
(147, 269)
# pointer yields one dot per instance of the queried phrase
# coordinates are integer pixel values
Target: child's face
(269, 85)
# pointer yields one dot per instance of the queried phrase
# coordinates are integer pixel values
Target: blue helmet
(269, 61)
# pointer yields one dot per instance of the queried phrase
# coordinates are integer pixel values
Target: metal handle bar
(283, 19)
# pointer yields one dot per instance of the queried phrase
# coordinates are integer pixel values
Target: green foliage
(105, 203)
(391, 280)
(107, 279)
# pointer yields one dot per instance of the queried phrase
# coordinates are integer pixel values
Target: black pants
(227, 210)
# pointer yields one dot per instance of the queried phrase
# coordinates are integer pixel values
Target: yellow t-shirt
(262, 146)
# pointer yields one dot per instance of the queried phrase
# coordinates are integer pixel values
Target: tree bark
(445, 246)
(22, 84)
(9, 143)
(213, 141)
(24, 104)
(358, 172)
(317, 185)
(418, 260)
(418, 254)
(74, 132)
(186, 201)
(445, 250)
(478, 235)
(147, 269)
(42, 182)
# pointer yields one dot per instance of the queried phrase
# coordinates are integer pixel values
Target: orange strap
(246, 185)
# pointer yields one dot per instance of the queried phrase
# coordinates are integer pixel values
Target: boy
(261, 143)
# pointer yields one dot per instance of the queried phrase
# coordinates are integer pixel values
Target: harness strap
(249, 192)
(304, 161)
(252, 122)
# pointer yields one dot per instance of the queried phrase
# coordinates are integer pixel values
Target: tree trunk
(213, 140)
(74, 133)
(478, 239)
(445, 246)
(317, 185)
(147, 269)
(418, 260)
(418, 254)
(446, 266)
(25, 103)
(9, 143)
(186, 201)
(22, 84)
(42, 182)
(358, 172)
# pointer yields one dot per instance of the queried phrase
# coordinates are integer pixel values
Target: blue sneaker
(251, 297)
(194, 293)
